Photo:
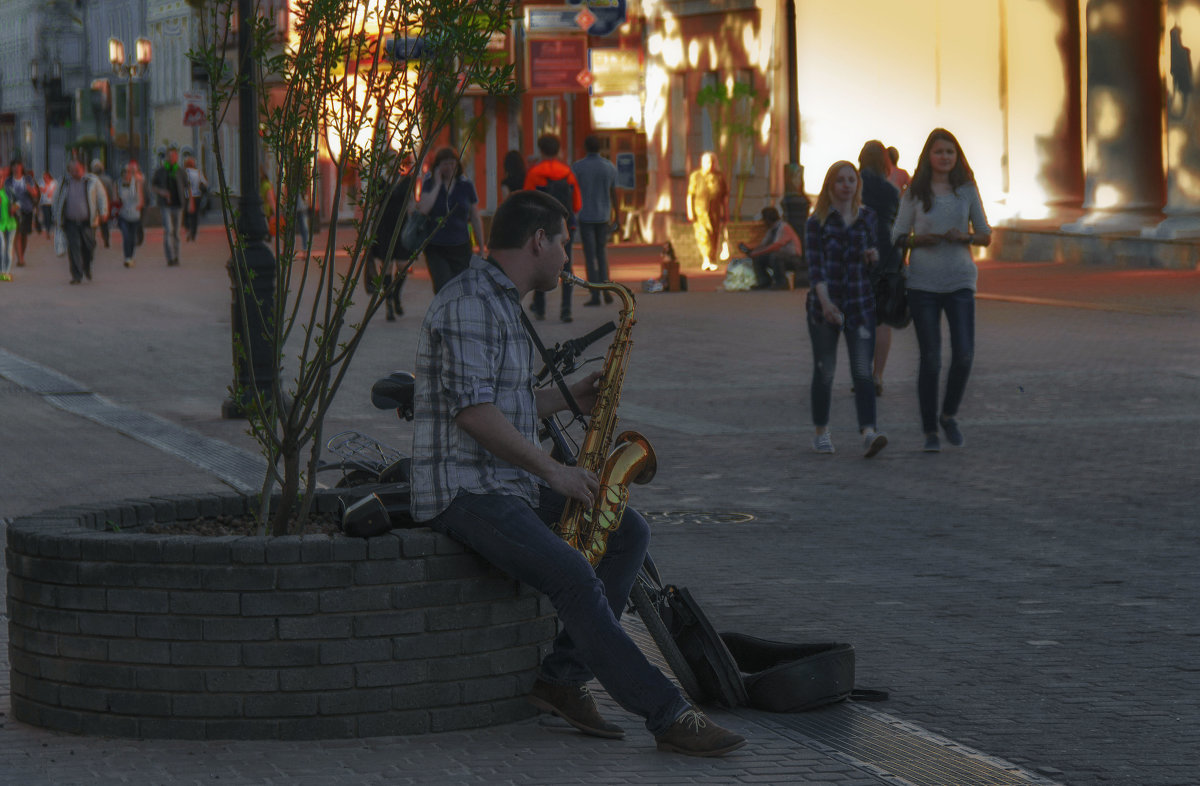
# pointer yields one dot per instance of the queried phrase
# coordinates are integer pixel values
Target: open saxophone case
(736, 670)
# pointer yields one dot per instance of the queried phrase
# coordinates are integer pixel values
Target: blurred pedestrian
(897, 177)
(514, 174)
(447, 194)
(597, 178)
(46, 201)
(24, 194)
(554, 177)
(941, 216)
(8, 229)
(388, 248)
(170, 185)
(109, 192)
(79, 206)
(840, 245)
(129, 215)
(197, 186)
(882, 196)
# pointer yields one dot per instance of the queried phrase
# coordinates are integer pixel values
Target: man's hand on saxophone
(550, 399)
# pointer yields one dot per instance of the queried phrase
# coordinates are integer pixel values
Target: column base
(1102, 222)
(1175, 227)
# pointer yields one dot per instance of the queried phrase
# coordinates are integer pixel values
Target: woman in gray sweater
(941, 217)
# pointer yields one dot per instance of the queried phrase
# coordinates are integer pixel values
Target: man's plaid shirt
(473, 349)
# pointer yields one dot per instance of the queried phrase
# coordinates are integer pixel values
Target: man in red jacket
(556, 179)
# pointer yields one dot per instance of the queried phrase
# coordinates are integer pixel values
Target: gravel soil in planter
(121, 633)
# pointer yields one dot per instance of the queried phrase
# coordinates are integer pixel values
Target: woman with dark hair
(880, 195)
(449, 198)
(839, 244)
(941, 216)
(514, 173)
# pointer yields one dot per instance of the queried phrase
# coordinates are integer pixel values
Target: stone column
(1180, 81)
(1124, 188)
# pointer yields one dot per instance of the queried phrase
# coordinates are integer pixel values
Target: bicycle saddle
(395, 391)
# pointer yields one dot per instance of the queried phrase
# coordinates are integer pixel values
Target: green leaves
(337, 120)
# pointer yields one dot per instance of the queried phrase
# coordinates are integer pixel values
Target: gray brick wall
(133, 635)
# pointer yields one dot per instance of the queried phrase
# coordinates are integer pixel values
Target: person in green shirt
(8, 230)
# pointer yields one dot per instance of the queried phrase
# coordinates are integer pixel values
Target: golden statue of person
(708, 209)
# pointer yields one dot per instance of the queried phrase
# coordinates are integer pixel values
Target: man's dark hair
(770, 215)
(520, 217)
(548, 145)
(591, 143)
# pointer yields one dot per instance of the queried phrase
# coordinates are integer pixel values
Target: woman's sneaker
(823, 443)
(932, 443)
(873, 442)
(694, 734)
(953, 435)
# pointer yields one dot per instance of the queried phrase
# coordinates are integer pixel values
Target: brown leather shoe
(694, 734)
(575, 705)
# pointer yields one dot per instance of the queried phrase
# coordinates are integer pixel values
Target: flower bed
(119, 633)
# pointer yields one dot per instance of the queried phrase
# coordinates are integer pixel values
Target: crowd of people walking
(77, 213)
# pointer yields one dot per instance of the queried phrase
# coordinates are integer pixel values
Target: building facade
(1075, 114)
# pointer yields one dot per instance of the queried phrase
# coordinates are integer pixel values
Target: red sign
(555, 63)
(585, 19)
(584, 78)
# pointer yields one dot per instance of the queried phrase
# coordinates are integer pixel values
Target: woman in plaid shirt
(839, 245)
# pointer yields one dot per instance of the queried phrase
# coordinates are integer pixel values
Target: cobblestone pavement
(1032, 596)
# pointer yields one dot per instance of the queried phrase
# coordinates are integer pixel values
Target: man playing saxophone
(480, 476)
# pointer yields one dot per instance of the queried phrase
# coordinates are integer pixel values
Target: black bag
(417, 229)
(734, 669)
(891, 297)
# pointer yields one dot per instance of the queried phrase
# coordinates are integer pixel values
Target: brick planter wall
(124, 634)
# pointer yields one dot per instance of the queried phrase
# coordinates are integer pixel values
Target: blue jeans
(171, 217)
(594, 236)
(926, 308)
(518, 540)
(7, 237)
(860, 347)
(129, 230)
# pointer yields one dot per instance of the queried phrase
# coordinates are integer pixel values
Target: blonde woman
(941, 216)
(839, 246)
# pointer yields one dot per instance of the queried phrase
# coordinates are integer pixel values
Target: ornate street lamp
(51, 87)
(141, 62)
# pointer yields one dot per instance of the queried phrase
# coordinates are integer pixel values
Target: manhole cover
(695, 517)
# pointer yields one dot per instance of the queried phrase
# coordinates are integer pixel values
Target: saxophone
(631, 460)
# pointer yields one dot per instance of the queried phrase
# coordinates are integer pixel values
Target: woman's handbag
(417, 229)
(891, 295)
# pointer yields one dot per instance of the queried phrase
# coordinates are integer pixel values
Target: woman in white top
(49, 186)
(941, 216)
(197, 185)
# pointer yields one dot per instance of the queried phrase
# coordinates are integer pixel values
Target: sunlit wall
(991, 71)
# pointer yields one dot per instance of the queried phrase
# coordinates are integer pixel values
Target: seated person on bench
(778, 251)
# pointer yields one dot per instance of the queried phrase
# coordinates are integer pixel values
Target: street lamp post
(51, 87)
(253, 264)
(141, 62)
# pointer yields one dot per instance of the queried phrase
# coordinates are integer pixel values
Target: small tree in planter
(374, 82)
(735, 112)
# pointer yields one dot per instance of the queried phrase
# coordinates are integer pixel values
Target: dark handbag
(891, 296)
(417, 229)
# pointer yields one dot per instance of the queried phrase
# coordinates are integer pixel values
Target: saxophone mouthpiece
(572, 279)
